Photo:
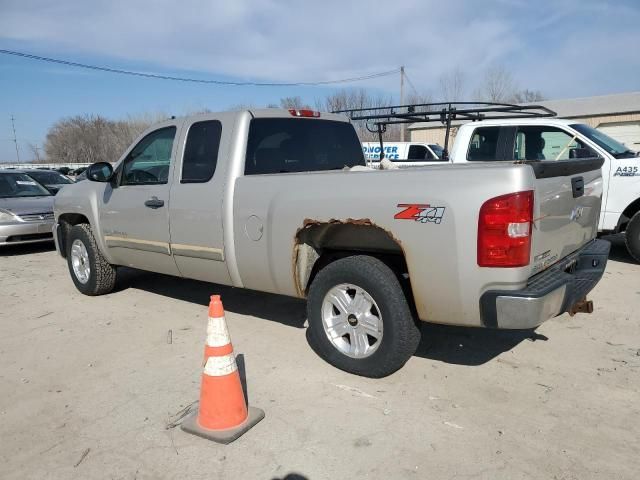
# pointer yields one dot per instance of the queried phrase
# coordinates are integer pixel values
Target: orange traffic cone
(222, 415)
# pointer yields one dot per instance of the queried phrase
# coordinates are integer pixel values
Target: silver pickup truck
(281, 201)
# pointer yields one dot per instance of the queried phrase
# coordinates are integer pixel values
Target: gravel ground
(91, 388)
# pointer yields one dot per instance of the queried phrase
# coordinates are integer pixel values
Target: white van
(405, 154)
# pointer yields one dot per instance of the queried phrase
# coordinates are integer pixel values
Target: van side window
(201, 152)
(484, 144)
(148, 162)
(535, 142)
(418, 153)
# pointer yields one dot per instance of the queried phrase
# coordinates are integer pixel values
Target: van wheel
(632, 237)
(89, 270)
(359, 318)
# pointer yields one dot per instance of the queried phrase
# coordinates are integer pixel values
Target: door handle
(154, 202)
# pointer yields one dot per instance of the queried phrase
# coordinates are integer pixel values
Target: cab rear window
(286, 145)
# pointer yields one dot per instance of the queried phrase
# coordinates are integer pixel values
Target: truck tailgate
(567, 208)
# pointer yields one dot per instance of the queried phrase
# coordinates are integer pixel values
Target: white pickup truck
(548, 138)
(281, 201)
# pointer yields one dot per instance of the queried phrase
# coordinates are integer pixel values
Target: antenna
(15, 140)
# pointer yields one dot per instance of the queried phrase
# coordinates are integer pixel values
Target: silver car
(26, 210)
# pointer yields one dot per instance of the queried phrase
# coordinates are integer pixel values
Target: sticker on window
(26, 182)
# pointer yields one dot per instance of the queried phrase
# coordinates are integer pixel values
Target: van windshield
(437, 149)
(613, 147)
(285, 145)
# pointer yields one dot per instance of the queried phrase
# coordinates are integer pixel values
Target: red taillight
(304, 113)
(504, 230)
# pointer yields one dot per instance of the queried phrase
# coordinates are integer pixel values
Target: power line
(195, 80)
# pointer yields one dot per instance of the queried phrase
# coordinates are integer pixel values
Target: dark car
(50, 179)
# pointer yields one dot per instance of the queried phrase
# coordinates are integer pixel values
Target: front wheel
(359, 318)
(632, 237)
(90, 271)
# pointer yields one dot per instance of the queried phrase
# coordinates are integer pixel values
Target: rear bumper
(549, 293)
(22, 233)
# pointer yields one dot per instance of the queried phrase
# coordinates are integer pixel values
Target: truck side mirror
(581, 153)
(100, 172)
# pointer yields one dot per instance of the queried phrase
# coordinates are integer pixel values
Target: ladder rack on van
(377, 118)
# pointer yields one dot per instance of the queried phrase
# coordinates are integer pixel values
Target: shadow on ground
(467, 345)
(618, 252)
(27, 249)
(277, 308)
(457, 345)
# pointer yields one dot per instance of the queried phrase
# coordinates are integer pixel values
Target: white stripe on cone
(217, 333)
(219, 366)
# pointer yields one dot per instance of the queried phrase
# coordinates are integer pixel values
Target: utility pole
(15, 140)
(36, 150)
(402, 100)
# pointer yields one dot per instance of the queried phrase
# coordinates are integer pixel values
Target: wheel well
(627, 214)
(318, 244)
(66, 221)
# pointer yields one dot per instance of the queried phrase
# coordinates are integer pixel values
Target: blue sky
(564, 48)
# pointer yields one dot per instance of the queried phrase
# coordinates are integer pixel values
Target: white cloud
(548, 45)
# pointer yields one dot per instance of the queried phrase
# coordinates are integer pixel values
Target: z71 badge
(419, 212)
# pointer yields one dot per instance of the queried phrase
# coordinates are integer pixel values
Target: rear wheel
(359, 318)
(90, 271)
(632, 236)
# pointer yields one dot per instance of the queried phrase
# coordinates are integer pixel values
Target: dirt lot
(89, 388)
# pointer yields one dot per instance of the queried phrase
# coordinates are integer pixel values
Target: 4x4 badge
(420, 212)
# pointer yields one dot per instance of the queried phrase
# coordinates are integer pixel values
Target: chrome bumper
(549, 293)
(25, 232)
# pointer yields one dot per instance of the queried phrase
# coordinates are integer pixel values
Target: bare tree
(35, 150)
(293, 102)
(348, 99)
(497, 86)
(528, 96)
(93, 138)
(452, 85)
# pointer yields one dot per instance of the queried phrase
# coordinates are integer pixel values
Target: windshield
(283, 145)
(20, 185)
(437, 149)
(49, 178)
(603, 140)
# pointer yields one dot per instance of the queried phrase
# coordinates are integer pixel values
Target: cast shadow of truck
(456, 345)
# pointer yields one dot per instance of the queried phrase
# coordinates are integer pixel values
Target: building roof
(619, 103)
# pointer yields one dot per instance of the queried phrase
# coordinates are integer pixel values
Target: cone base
(190, 425)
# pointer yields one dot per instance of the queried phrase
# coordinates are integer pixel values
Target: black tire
(401, 334)
(102, 275)
(632, 237)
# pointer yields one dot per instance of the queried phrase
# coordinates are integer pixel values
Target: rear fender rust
(306, 254)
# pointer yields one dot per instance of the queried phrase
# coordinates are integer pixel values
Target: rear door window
(285, 145)
(484, 144)
(201, 152)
